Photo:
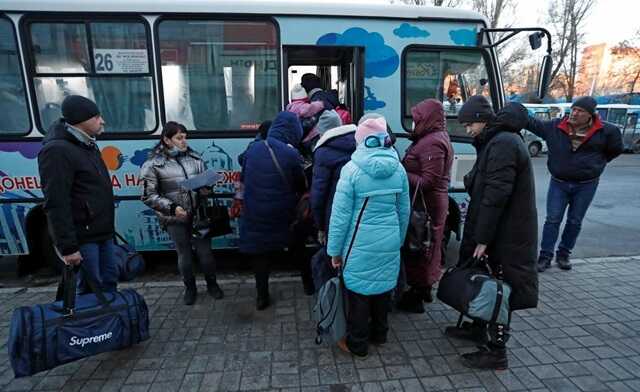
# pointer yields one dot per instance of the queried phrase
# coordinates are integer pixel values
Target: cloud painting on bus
(381, 60)
(27, 150)
(410, 31)
(465, 37)
(370, 100)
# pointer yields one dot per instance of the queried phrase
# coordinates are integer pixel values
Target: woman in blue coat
(368, 223)
(273, 180)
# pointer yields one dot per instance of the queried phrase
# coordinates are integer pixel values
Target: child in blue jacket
(372, 200)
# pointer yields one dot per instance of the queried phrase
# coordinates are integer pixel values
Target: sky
(610, 21)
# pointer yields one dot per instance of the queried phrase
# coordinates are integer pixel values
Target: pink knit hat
(372, 126)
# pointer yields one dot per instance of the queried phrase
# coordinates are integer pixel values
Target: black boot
(190, 291)
(214, 290)
(563, 261)
(544, 262)
(426, 294)
(491, 357)
(307, 284)
(411, 301)
(263, 302)
(475, 332)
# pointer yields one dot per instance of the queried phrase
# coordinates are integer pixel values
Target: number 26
(103, 62)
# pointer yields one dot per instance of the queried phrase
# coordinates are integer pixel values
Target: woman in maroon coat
(428, 164)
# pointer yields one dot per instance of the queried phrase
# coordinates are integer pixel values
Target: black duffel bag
(42, 337)
(471, 289)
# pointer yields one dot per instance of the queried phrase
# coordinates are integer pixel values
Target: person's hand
(236, 209)
(336, 261)
(480, 251)
(322, 237)
(181, 213)
(72, 259)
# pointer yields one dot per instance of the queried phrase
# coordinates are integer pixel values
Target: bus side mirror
(545, 75)
(535, 40)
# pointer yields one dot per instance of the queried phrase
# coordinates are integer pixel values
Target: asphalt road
(612, 224)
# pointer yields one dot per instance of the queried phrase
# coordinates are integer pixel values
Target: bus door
(340, 68)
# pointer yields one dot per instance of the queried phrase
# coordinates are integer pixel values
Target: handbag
(211, 220)
(471, 289)
(417, 244)
(330, 310)
(303, 214)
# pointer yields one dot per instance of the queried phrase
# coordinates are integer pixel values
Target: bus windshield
(451, 76)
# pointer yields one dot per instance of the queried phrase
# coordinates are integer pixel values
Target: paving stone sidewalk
(584, 336)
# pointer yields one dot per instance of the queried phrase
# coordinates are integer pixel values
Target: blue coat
(269, 201)
(373, 265)
(332, 152)
(602, 144)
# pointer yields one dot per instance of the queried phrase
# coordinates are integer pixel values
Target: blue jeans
(577, 196)
(98, 259)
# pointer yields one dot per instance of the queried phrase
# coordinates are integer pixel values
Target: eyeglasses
(375, 141)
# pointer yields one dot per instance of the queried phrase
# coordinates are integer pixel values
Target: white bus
(221, 68)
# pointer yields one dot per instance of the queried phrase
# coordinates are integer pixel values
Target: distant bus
(220, 68)
(624, 117)
(544, 112)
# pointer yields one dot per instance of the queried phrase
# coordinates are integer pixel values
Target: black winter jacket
(502, 211)
(602, 143)
(78, 197)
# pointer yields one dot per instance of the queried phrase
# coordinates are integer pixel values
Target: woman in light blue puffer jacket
(373, 176)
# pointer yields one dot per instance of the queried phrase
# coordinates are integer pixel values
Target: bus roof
(262, 7)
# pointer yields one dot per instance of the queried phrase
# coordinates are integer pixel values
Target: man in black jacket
(580, 146)
(501, 221)
(78, 197)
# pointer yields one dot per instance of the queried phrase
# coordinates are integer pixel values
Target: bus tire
(534, 149)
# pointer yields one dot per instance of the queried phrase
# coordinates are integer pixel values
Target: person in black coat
(78, 196)
(501, 221)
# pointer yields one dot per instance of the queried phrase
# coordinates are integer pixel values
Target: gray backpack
(330, 310)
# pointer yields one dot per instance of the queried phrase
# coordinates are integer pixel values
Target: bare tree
(567, 19)
(493, 10)
(512, 53)
(630, 48)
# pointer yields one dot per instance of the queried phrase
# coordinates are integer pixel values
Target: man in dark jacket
(501, 221)
(78, 197)
(580, 146)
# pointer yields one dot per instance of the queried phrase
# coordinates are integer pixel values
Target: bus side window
(13, 104)
(107, 62)
(219, 74)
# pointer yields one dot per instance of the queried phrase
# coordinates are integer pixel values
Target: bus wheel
(48, 255)
(534, 149)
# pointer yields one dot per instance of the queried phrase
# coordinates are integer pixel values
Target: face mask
(174, 151)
